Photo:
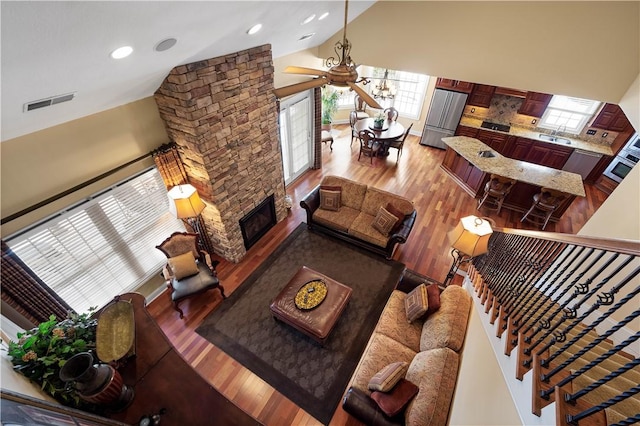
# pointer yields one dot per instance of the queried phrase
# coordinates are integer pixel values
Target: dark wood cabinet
(611, 117)
(469, 177)
(497, 141)
(535, 104)
(457, 85)
(537, 152)
(472, 132)
(481, 95)
(519, 148)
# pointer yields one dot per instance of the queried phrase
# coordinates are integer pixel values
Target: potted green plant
(39, 353)
(378, 121)
(329, 106)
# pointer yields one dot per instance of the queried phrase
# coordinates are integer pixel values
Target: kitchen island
(471, 171)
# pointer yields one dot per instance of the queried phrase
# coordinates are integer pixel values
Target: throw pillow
(397, 213)
(330, 197)
(183, 266)
(394, 402)
(433, 296)
(384, 221)
(385, 379)
(416, 303)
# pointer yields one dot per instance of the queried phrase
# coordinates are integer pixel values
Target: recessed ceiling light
(306, 36)
(165, 44)
(122, 52)
(254, 29)
(308, 19)
(324, 15)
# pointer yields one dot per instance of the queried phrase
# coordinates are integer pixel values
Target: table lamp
(185, 203)
(469, 239)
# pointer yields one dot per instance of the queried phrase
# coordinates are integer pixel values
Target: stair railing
(551, 291)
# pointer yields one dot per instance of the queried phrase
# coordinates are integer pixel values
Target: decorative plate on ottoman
(311, 294)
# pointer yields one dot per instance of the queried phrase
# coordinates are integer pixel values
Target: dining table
(391, 130)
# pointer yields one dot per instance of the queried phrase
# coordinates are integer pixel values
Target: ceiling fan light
(254, 29)
(308, 19)
(306, 36)
(324, 15)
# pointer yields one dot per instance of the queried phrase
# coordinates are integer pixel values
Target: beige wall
(511, 44)
(39, 165)
(482, 396)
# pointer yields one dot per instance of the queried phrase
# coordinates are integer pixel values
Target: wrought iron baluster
(574, 419)
(542, 295)
(571, 312)
(593, 363)
(598, 321)
(582, 392)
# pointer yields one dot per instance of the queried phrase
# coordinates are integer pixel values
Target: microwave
(632, 147)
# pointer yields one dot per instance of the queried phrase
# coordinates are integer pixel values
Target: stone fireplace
(224, 117)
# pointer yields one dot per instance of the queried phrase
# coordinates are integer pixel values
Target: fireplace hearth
(258, 221)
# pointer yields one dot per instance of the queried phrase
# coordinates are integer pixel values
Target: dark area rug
(311, 376)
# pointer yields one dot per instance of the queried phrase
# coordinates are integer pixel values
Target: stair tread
(627, 407)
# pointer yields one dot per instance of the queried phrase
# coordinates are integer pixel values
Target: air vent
(30, 106)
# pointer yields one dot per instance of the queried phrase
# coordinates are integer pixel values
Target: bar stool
(544, 204)
(495, 191)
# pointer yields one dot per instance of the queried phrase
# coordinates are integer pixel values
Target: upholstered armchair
(188, 271)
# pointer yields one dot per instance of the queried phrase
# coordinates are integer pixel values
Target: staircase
(567, 308)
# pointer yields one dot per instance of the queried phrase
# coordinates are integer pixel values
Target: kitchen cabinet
(519, 148)
(481, 95)
(537, 152)
(535, 104)
(472, 132)
(497, 141)
(611, 117)
(469, 177)
(457, 85)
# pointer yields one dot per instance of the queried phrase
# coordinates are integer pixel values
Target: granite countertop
(533, 135)
(570, 183)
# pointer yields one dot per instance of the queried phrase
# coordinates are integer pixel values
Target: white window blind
(104, 246)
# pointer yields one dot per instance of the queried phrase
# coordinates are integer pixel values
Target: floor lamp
(185, 203)
(468, 240)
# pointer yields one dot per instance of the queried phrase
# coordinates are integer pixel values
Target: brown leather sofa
(352, 222)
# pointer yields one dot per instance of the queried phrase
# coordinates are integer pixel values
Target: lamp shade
(471, 236)
(185, 202)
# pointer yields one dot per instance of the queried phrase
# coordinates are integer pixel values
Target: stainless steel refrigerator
(443, 118)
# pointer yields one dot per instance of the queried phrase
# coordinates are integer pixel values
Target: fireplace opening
(258, 221)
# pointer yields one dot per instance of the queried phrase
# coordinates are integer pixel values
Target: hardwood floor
(440, 204)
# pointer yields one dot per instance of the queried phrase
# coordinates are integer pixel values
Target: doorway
(296, 135)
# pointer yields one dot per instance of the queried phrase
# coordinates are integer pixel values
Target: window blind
(103, 247)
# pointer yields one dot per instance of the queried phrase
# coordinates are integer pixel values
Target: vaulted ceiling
(61, 47)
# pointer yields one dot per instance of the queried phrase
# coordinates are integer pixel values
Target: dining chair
(360, 107)
(399, 143)
(353, 118)
(368, 144)
(391, 113)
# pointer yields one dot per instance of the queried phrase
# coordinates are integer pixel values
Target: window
(346, 100)
(104, 246)
(567, 114)
(410, 89)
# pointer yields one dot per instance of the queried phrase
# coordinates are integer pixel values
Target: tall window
(104, 246)
(410, 91)
(568, 114)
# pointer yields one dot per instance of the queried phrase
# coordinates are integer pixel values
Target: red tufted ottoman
(318, 322)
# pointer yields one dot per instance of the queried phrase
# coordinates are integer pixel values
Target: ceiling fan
(341, 73)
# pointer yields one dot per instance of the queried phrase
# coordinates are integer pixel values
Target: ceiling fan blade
(285, 91)
(303, 70)
(365, 96)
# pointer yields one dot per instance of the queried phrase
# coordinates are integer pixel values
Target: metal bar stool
(495, 191)
(544, 204)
